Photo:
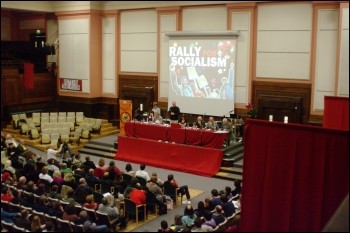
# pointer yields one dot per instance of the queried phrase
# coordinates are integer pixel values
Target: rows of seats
(54, 125)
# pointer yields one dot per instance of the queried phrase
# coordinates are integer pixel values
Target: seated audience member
(69, 197)
(200, 209)
(215, 198)
(57, 177)
(90, 204)
(41, 205)
(164, 227)
(197, 225)
(237, 190)
(178, 224)
(9, 168)
(199, 124)
(23, 221)
(228, 207)
(10, 139)
(218, 215)
(142, 173)
(70, 213)
(101, 168)
(129, 171)
(88, 225)
(88, 163)
(36, 224)
(52, 165)
(22, 148)
(7, 216)
(181, 189)
(138, 196)
(112, 212)
(183, 122)
(21, 184)
(54, 192)
(44, 175)
(208, 205)
(76, 161)
(40, 163)
(65, 169)
(156, 189)
(211, 124)
(6, 194)
(228, 192)
(130, 187)
(56, 210)
(112, 171)
(91, 179)
(188, 216)
(209, 223)
(82, 191)
(40, 190)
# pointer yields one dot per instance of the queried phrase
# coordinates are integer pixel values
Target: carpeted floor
(132, 225)
(204, 185)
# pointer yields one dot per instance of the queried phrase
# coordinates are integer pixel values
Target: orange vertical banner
(125, 114)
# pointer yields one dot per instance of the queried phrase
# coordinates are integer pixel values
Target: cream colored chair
(15, 118)
(75, 137)
(45, 138)
(97, 126)
(36, 118)
(79, 118)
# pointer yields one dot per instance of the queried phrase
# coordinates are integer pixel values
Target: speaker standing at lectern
(174, 113)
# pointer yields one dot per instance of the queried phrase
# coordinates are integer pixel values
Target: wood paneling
(14, 98)
(139, 89)
(283, 89)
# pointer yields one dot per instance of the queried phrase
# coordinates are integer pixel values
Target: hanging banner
(125, 114)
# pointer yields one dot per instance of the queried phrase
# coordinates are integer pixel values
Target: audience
(142, 173)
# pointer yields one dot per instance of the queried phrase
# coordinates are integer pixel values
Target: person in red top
(6, 195)
(138, 196)
(90, 204)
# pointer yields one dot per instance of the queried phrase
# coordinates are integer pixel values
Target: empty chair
(71, 122)
(45, 138)
(54, 139)
(62, 114)
(65, 134)
(15, 118)
(53, 119)
(96, 128)
(36, 118)
(24, 128)
(62, 119)
(75, 137)
(79, 118)
(45, 115)
(53, 114)
(132, 209)
(71, 114)
(34, 134)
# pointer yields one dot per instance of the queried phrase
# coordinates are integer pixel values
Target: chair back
(141, 180)
(127, 178)
(91, 213)
(77, 228)
(64, 225)
(151, 201)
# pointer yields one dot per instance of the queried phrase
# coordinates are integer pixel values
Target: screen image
(202, 74)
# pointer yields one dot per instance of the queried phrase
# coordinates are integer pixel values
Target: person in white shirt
(52, 153)
(142, 173)
(43, 175)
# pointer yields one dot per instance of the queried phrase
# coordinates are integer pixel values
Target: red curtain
(294, 176)
(336, 112)
(28, 77)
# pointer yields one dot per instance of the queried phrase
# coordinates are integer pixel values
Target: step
(96, 153)
(233, 170)
(232, 146)
(101, 144)
(233, 152)
(100, 148)
(239, 163)
(229, 162)
(227, 176)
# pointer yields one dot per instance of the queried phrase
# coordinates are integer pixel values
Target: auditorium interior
(96, 73)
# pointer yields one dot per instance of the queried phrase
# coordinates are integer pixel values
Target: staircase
(232, 163)
(100, 149)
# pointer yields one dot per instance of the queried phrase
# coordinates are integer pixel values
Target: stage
(180, 157)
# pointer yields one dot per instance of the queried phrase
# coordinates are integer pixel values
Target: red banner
(71, 84)
(28, 77)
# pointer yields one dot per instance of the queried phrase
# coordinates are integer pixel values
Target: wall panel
(205, 19)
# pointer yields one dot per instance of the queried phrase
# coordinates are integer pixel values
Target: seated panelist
(199, 124)
(211, 124)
